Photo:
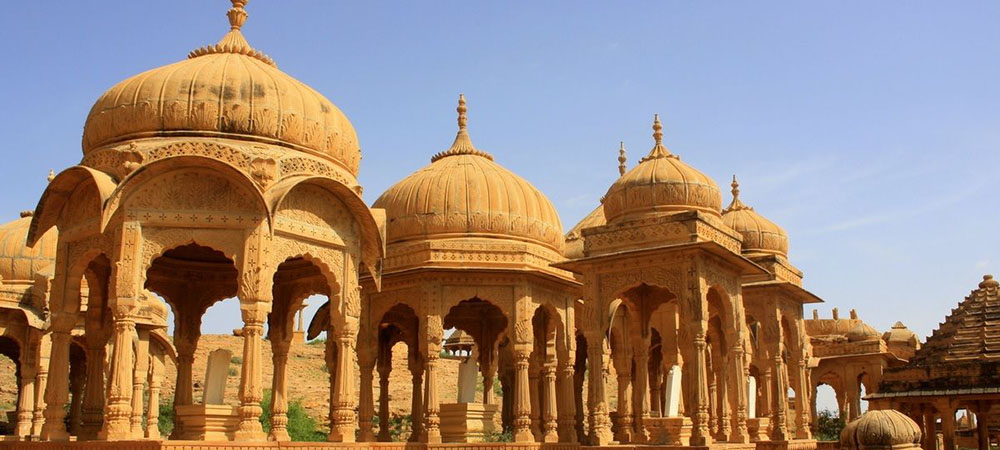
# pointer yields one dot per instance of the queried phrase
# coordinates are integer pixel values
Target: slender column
(624, 429)
(56, 393)
(279, 391)
(930, 429)
(155, 381)
(77, 381)
(780, 420)
(534, 376)
(699, 427)
(366, 405)
(522, 397)
(384, 369)
(41, 382)
(139, 375)
(579, 373)
(118, 411)
(802, 403)
(26, 398)
(489, 371)
(93, 400)
(432, 405)
(550, 433)
(722, 393)
(416, 406)
(251, 387)
(600, 424)
(655, 407)
(713, 402)
(567, 404)
(947, 413)
(344, 420)
(740, 375)
(642, 388)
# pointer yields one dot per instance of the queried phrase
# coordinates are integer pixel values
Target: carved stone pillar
(279, 391)
(489, 371)
(740, 375)
(432, 405)
(982, 424)
(929, 440)
(366, 402)
(567, 404)
(534, 386)
(723, 395)
(26, 398)
(642, 388)
(41, 383)
(344, 421)
(251, 386)
(624, 429)
(779, 423)
(416, 401)
(118, 411)
(384, 369)
(93, 400)
(139, 375)
(600, 423)
(947, 412)
(77, 382)
(802, 402)
(522, 397)
(56, 392)
(155, 381)
(579, 374)
(550, 433)
(699, 410)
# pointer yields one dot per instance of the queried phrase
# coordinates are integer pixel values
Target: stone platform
(199, 445)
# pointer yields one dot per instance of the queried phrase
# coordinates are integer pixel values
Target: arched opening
(398, 346)
(199, 284)
(542, 375)
(488, 355)
(579, 384)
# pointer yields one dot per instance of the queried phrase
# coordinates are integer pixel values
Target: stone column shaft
(780, 419)
(383, 402)
(118, 411)
(432, 405)
(139, 375)
(522, 398)
(251, 385)
(93, 399)
(279, 392)
(699, 411)
(155, 382)
(366, 407)
(25, 400)
(56, 393)
(416, 403)
(567, 404)
(642, 389)
(600, 423)
(550, 418)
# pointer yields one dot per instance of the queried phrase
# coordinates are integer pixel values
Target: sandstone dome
(881, 429)
(18, 262)
(464, 193)
(862, 332)
(660, 183)
(225, 90)
(760, 235)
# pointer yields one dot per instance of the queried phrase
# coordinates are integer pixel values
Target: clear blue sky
(869, 130)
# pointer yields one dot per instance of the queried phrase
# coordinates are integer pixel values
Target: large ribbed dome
(464, 193)
(660, 183)
(760, 235)
(224, 90)
(18, 262)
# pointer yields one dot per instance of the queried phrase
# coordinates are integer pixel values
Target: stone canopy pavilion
(661, 319)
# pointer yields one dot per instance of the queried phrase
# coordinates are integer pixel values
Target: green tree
(828, 426)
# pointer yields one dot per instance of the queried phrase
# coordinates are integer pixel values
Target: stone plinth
(669, 430)
(757, 428)
(208, 422)
(467, 422)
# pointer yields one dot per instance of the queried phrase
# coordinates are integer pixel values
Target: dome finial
(52, 175)
(463, 143)
(462, 119)
(659, 150)
(233, 41)
(621, 158)
(237, 15)
(736, 204)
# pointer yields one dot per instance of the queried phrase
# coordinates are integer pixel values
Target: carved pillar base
(251, 393)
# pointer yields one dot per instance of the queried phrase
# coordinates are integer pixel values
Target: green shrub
(301, 427)
(828, 426)
(400, 427)
(166, 424)
(499, 436)
(317, 341)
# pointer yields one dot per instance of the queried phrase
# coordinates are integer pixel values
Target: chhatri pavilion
(662, 319)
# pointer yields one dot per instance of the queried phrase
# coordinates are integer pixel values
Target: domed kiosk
(215, 177)
(469, 245)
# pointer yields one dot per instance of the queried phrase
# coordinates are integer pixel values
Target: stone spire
(463, 143)
(621, 158)
(233, 41)
(736, 204)
(659, 150)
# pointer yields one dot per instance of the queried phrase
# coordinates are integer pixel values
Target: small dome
(899, 333)
(660, 183)
(464, 193)
(760, 235)
(18, 262)
(224, 90)
(881, 429)
(862, 332)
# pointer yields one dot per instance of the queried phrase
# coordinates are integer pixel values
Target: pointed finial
(463, 143)
(461, 112)
(657, 130)
(736, 204)
(237, 15)
(52, 175)
(621, 158)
